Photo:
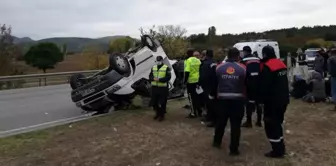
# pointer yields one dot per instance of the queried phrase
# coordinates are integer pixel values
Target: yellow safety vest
(159, 73)
(192, 65)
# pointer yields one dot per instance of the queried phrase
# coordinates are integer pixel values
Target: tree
(43, 56)
(121, 45)
(317, 43)
(172, 38)
(94, 58)
(6, 50)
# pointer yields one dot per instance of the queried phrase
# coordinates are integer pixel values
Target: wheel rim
(121, 62)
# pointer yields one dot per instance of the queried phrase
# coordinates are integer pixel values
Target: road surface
(32, 108)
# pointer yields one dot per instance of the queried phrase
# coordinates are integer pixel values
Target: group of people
(320, 83)
(226, 90)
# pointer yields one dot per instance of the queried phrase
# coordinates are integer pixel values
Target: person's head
(333, 52)
(190, 53)
(255, 53)
(316, 75)
(209, 53)
(233, 54)
(268, 53)
(247, 50)
(159, 60)
(203, 54)
(289, 54)
(197, 54)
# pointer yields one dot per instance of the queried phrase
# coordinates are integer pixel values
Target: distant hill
(74, 44)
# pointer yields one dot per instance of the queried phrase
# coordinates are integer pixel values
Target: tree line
(173, 38)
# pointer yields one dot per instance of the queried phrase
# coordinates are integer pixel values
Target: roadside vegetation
(132, 138)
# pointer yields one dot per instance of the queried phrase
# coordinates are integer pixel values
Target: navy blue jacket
(230, 81)
(253, 69)
(207, 73)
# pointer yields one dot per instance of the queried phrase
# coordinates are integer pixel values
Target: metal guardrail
(37, 76)
(34, 80)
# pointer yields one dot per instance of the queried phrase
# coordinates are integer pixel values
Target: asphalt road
(28, 109)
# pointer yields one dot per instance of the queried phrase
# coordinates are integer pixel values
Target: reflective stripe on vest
(159, 73)
(230, 95)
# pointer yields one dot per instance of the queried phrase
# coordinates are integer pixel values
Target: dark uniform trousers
(210, 105)
(194, 99)
(159, 100)
(232, 110)
(273, 119)
(252, 106)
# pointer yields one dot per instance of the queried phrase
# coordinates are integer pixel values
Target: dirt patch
(133, 138)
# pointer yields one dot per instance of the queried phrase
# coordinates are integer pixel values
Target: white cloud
(88, 18)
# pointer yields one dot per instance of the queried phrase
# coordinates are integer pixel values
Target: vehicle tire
(75, 82)
(148, 42)
(120, 64)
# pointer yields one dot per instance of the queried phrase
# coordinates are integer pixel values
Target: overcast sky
(96, 18)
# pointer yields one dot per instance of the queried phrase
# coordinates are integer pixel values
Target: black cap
(233, 53)
(247, 49)
(209, 53)
(159, 58)
(268, 52)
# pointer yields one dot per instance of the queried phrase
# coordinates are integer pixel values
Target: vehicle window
(310, 54)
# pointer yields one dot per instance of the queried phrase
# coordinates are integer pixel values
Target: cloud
(88, 18)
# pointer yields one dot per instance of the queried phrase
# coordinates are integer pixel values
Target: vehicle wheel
(149, 42)
(120, 64)
(75, 82)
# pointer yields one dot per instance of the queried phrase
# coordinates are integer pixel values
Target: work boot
(161, 118)
(234, 153)
(156, 117)
(273, 154)
(247, 125)
(191, 116)
(216, 145)
(211, 124)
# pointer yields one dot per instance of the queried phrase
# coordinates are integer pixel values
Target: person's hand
(211, 97)
(156, 79)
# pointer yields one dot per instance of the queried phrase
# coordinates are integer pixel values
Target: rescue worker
(159, 77)
(252, 64)
(191, 79)
(207, 72)
(231, 99)
(274, 92)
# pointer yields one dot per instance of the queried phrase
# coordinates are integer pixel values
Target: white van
(258, 45)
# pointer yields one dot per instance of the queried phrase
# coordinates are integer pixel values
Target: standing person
(319, 62)
(159, 77)
(207, 73)
(231, 99)
(252, 64)
(325, 66)
(191, 79)
(289, 66)
(332, 72)
(274, 92)
(303, 66)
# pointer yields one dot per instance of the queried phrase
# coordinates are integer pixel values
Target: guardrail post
(39, 81)
(45, 81)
